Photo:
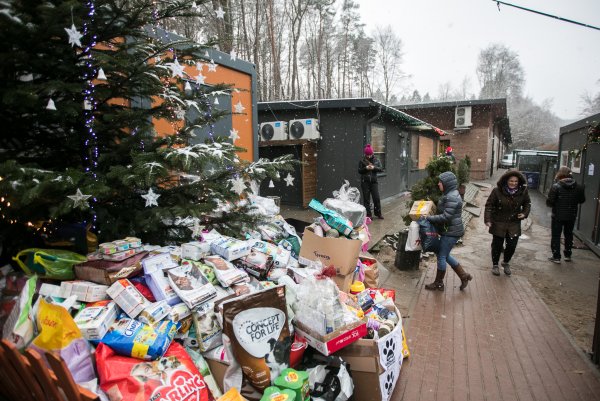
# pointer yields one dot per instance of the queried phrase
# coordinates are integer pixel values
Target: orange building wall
(243, 122)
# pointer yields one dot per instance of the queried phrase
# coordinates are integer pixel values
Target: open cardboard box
(334, 341)
(340, 252)
(375, 364)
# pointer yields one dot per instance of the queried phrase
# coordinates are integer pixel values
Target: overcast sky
(442, 40)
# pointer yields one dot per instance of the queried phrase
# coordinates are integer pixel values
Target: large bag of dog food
(172, 377)
(257, 327)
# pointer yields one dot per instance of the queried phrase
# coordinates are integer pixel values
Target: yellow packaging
(421, 208)
(405, 351)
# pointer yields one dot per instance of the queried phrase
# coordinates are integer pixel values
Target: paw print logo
(389, 350)
(389, 384)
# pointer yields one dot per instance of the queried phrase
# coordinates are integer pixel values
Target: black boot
(438, 283)
(463, 275)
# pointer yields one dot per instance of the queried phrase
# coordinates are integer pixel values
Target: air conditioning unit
(307, 128)
(273, 131)
(462, 117)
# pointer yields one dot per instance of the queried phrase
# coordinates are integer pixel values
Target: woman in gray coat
(507, 205)
(449, 223)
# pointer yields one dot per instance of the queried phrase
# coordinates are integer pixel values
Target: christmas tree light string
(91, 142)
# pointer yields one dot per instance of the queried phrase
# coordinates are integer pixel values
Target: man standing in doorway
(368, 168)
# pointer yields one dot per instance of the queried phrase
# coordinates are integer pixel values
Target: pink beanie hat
(368, 150)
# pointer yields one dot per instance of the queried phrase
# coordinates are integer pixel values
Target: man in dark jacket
(368, 168)
(564, 199)
(449, 223)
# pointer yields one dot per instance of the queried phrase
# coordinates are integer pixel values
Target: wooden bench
(26, 377)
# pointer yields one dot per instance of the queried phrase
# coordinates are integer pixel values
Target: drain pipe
(369, 121)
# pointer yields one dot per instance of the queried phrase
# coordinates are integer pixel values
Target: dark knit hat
(368, 150)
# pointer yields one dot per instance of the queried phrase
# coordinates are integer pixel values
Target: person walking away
(450, 154)
(505, 208)
(564, 198)
(449, 218)
(368, 168)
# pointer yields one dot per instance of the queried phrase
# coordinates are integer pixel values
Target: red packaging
(297, 352)
(174, 376)
(386, 293)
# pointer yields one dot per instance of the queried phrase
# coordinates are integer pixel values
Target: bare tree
(499, 72)
(389, 56)
(590, 104)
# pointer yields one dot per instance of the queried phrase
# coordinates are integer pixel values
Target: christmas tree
(80, 85)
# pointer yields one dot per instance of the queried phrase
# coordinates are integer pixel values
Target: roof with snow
(405, 119)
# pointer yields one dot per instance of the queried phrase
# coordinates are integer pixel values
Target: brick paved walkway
(494, 341)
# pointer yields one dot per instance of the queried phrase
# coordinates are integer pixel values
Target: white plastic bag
(413, 243)
(346, 201)
(347, 193)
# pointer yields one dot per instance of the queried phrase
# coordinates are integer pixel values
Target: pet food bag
(257, 327)
(226, 272)
(172, 377)
(133, 338)
(59, 334)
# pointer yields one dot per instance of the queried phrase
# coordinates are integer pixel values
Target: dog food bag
(190, 285)
(171, 377)
(257, 327)
(130, 337)
(60, 335)
(226, 272)
(208, 329)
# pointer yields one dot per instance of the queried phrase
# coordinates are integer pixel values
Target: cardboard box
(230, 248)
(217, 369)
(128, 298)
(95, 320)
(155, 269)
(421, 208)
(341, 252)
(375, 365)
(343, 282)
(335, 341)
(85, 291)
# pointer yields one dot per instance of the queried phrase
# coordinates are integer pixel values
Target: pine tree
(68, 133)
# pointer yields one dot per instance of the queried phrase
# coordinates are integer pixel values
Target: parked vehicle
(508, 161)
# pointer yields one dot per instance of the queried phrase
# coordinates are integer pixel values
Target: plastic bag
(49, 263)
(348, 193)
(430, 239)
(59, 334)
(346, 201)
(413, 242)
(19, 327)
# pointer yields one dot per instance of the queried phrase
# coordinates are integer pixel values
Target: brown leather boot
(438, 283)
(463, 275)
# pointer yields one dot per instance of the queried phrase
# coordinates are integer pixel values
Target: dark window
(210, 105)
(378, 140)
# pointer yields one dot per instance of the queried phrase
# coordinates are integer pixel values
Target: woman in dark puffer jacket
(507, 205)
(450, 225)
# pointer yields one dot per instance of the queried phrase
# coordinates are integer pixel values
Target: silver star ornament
(151, 198)
(74, 36)
(79, 199)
